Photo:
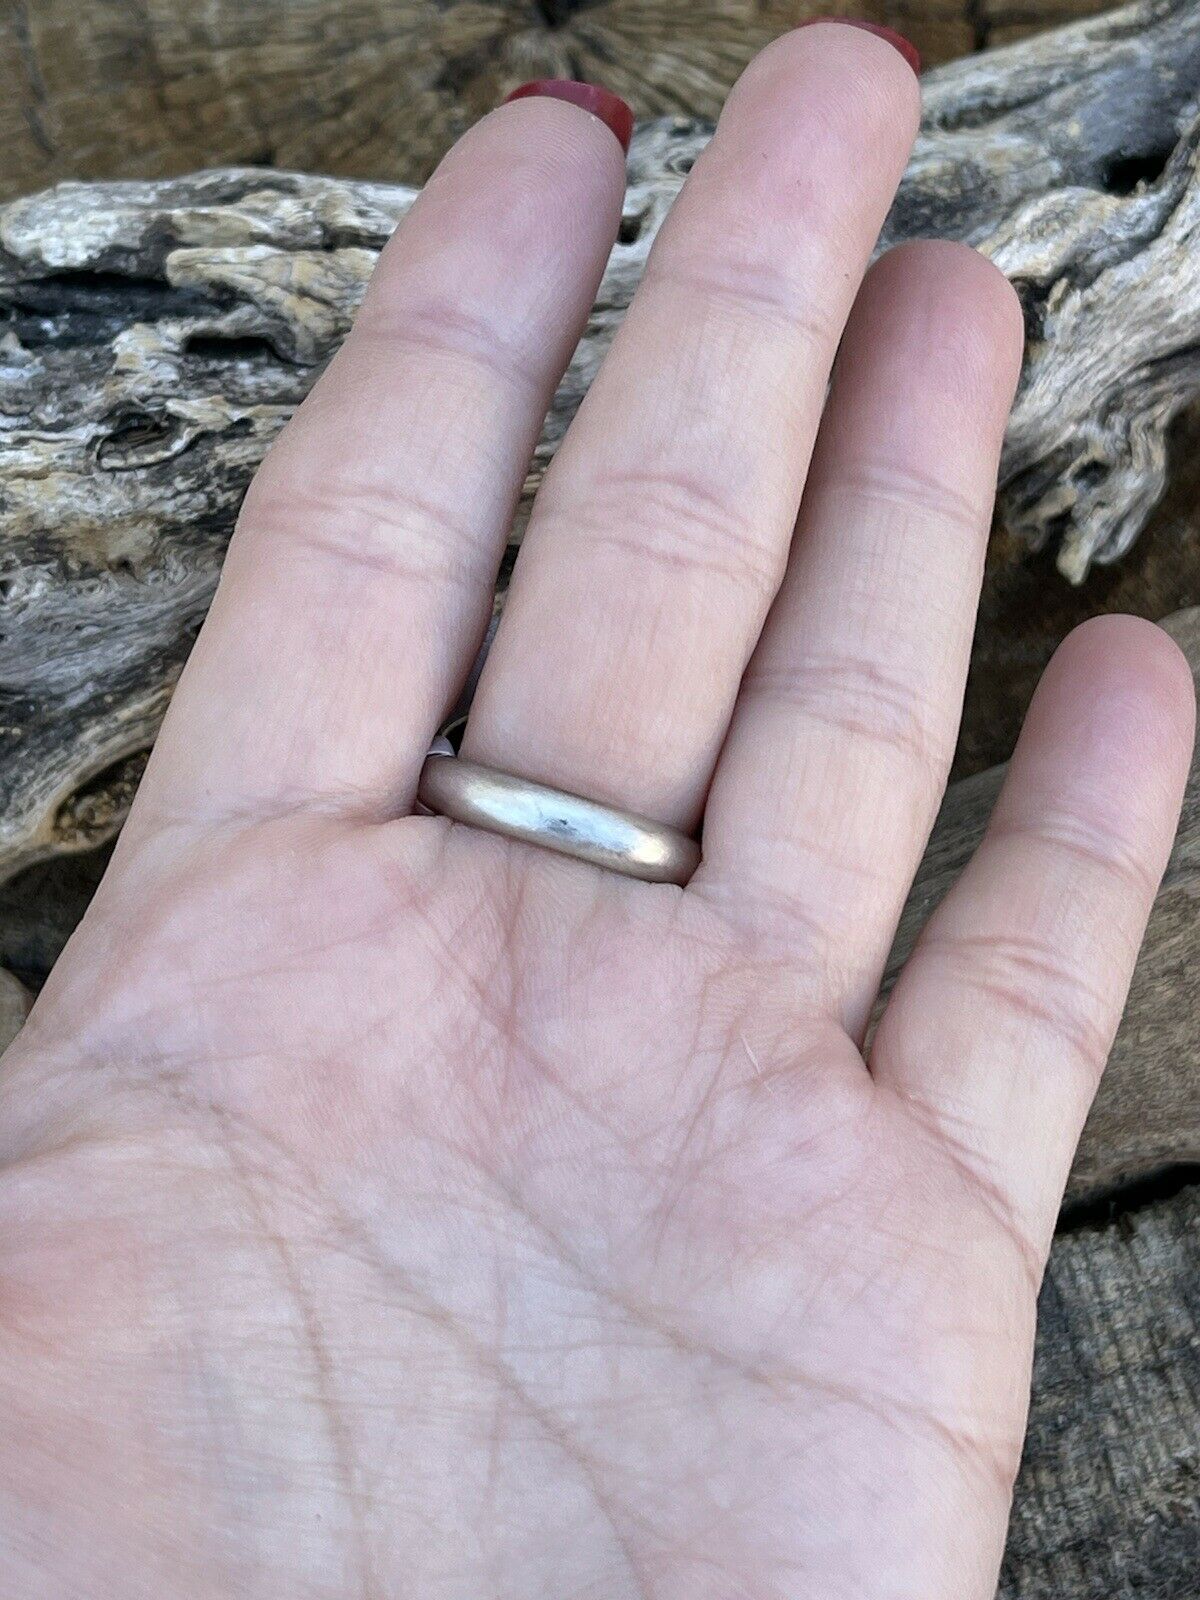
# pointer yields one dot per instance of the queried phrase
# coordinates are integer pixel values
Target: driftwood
(1108, 1499)
(160, 333)
(379, 88)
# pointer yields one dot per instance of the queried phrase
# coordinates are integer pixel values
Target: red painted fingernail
(897, 40)
(602, 103)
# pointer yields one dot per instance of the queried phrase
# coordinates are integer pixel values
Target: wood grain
(1107, 1505)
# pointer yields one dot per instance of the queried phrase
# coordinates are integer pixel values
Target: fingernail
(897, 40)
(602, 103)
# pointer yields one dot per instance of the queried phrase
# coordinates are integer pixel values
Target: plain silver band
(519, 809)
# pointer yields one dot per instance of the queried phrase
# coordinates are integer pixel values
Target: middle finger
(661, 533)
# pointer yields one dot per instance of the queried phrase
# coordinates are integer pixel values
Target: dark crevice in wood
(1125, 174)
(64, 310)
(137, 439)
(979, 23)
(630, 230)
(1109, 1205)
(556, 14)
(229, 347)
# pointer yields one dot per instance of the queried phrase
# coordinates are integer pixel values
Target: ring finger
(661, 534)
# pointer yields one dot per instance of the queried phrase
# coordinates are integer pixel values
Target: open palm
(388, 1208)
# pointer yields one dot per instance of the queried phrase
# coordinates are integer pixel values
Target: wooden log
(160, 333)
(1108, 1498)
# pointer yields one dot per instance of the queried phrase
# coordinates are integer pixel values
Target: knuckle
(748, 287)
(350, 523)
(683, 520)
(442, 329)
(1090, 845)
(860, 698)
(920, 495)
(1026, 979)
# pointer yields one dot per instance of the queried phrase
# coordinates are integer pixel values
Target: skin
(389, 1209)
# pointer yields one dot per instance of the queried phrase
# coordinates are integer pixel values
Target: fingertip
(933, 351)
(874, 39)
(857, 79)
(904, 47)
(1108, 738)
(1120, 657)
(968, 308)
(530, 196)
(592, 98)
(1129, 647)
(559, 135)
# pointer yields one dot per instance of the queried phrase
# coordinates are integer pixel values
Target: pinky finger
(1002, 1020)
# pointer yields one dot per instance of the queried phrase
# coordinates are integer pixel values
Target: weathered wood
(106, 88)
(378, 88)
(1108, 1500)
(358, 88)
(14, 1008)
(41, 907)
(1147, 1114)
(1025, 612)
(159, 334)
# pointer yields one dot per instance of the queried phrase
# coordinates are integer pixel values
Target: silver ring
(499, 802)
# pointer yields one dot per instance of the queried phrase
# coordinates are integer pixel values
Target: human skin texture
(388, 1208)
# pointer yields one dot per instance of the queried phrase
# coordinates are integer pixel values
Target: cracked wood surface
(1107, 1505)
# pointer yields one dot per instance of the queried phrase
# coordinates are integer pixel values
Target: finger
(1002, 1020)
(843, 734)
(659, 537)
(359, 582)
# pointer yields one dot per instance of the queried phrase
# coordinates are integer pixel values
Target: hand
(388, 1208)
